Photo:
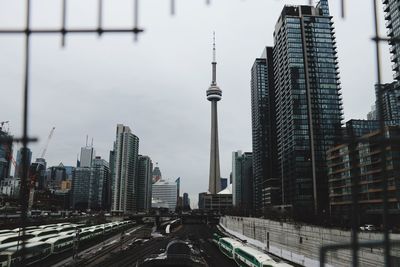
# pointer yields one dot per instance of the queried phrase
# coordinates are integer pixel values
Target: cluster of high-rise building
(305, 160)
(125, 183)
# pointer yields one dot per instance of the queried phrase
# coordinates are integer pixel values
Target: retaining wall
(301, 243)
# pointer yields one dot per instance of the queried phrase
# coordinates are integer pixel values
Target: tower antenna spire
(214, 63)
(214, 50)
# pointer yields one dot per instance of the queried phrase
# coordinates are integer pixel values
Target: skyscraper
(308, 104)
(100, 185)
(125, 156)
(392, 15)
(80, 188)
(87, 156)
(144, 182)
(388, 102)
(55, 175)
(166, 192)
(214, 94)
(186, 201)
(5, 156)
(37, 173)
(242, 180)
(156, 174)
(266, 184)
(18, 162)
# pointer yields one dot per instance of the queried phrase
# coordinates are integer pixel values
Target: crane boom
(47, 142)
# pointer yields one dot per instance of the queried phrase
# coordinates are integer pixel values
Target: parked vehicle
(368, 227)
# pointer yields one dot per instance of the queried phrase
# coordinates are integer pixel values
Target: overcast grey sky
(157, 85)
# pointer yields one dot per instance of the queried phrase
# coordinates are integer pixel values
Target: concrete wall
(301, 243)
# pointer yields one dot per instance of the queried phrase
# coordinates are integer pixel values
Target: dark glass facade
(18, 165)
(308, 104)
(80, 188)
(392, 17)
(358, 128)
(144, 183)
(264, 131)
(100, 185)
(243, 181)
(5, 156)
(389, 104)
(363, 159)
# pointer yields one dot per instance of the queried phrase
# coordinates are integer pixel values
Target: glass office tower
(392, 17)
(308, 104)
(266, 184)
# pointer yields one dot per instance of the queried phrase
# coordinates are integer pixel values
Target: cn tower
(214, 94)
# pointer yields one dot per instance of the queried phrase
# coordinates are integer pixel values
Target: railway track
(116, 248)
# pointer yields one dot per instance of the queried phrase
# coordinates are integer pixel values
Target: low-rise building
(361, 160)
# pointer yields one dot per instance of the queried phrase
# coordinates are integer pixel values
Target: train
(243, 255)
(44, 241)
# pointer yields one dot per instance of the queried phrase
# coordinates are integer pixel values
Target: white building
(10, 187)
(166, 192)
(87, 156)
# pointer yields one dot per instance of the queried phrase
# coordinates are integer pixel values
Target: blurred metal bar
(172, 7)
(342, 9)
(100, 17)
(67, 31)
(382, 146)
(24, 179)
(135, 17)
(63, 21)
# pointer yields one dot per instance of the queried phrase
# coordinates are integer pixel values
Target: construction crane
(7, 147)
(35, 173)
(47, 142)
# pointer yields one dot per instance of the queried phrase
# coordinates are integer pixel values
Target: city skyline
(235, 109)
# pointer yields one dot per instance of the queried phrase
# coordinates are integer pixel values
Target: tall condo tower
(124, 161)
(308, 104)
(214, 94)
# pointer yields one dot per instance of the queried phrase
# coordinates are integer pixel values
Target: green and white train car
(216, 238)
(249, 257)
(33, 252)
(61, 243)
(228, 245)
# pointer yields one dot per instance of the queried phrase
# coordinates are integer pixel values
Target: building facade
(5, 156)
(10, 187)
(308, 104)
(186, 201)
(224, 183)
(215, 202)
(156, 174)
(144, 183)
(18, 162)
(166, 192)
(87, 156)
(80, 188)
(125, 156)
(392, 17)
(55, 175)
(265, 167)
(361, 160)
(242, 180)
(358, 128)
(100, 185)
(388, 102)
(38, 174)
